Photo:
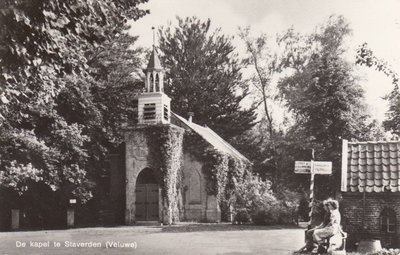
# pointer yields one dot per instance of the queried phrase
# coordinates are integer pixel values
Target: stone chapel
(144, 177)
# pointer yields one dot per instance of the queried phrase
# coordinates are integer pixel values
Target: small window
(388, 221)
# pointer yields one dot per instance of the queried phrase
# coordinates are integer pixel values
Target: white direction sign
(320, 167)
(302, 167)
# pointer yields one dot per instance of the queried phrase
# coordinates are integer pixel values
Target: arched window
(195, 188)
(388, 221)
(151, 83)
(157, 83)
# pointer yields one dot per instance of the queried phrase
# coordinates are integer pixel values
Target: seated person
(310, 245)
(333, 227)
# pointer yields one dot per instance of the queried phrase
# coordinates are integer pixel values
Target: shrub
(266, 216)
(254, 201)
(242, 216)
(252, 194)
(303, 209)
(288, 206)
(387, 252)
(276, 213)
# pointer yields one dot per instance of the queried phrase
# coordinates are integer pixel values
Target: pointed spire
(154, 61)
(153, 105)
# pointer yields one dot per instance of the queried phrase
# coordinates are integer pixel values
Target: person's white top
(335, 219)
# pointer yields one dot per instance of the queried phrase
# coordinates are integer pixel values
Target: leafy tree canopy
(204, 76)
(365, 56)
(323, 92)
(64, 77)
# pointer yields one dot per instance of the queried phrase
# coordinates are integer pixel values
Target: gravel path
(181, 239)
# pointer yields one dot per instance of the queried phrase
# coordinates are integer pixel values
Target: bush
(304, 209)
(289, 202)
(242, 216)
(277, 213)
(387, 252)
(254, 201)
(266, 216)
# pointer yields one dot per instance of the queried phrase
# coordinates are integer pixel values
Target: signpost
(320, 167)
(312, 168)
(302, 167)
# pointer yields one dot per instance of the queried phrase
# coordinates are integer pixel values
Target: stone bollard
(70, 217)
(14, 219)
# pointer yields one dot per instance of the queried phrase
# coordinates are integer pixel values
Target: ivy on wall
(166, 153)
(222, 171)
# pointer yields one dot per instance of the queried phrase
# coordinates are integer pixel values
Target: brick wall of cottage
(351, 207)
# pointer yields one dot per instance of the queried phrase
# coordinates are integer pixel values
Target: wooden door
(140, 214)
(152, 202)
(147, 202)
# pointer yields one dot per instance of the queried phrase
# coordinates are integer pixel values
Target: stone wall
(199, 206)
(135, 161)
(352, 209)
(146, 147)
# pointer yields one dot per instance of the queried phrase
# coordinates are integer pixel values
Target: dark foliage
(203, 75)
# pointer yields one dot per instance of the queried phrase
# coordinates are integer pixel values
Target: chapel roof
(154, 61)
(371, 166)
(211, 137)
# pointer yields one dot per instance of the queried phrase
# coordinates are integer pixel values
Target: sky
(372, 21)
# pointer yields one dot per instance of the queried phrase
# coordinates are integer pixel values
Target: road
(196, 239)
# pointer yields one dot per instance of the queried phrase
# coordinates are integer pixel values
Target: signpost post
(312, 168)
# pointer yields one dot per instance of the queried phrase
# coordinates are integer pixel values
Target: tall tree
(43, 40)
(264, 61)
(55, 127)
(204, 76)
(365, 56)
(323, 94)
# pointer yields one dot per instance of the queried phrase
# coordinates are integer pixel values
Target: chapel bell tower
(154, 105)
